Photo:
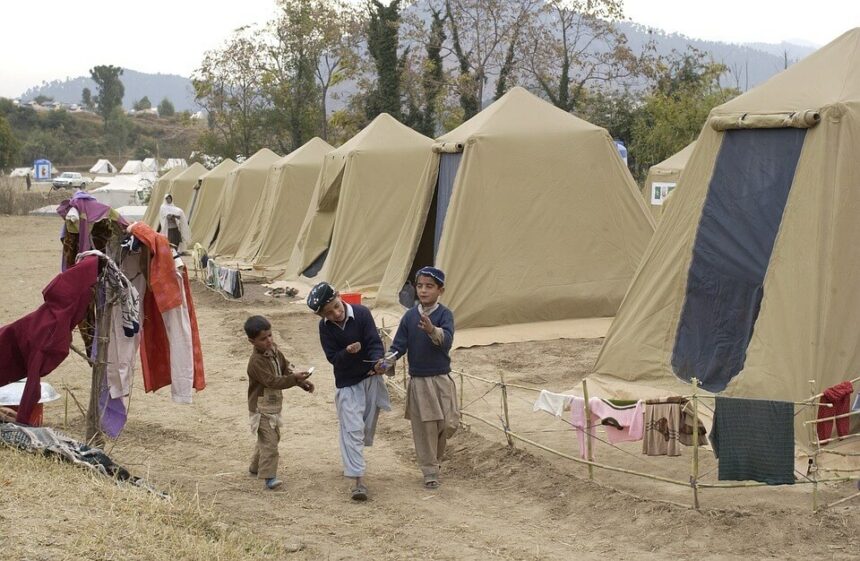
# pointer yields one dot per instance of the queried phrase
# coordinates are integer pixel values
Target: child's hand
(353, 348)
(425, 324)
(307, 386)
(380, 367)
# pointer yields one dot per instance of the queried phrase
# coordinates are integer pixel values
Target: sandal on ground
(431, 482)
(359, 493)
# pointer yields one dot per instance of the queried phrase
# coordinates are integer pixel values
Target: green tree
(9, 146)
(383, 30)
(118, 133)
(142, 104)
(433, 78)
(229, 86)
(110, 89)
(42, 99)
(165, 108)
(686, 86)
(87, 99)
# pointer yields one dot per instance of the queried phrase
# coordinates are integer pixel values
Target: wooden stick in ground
(588, 443)
(461, 391)
(840, 501)
(102, 340)
(813, 468)
(505, 408)
(694, 476)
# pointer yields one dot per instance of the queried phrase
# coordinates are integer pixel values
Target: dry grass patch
(51, 510)
(16, 200)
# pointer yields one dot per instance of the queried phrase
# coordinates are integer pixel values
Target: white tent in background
(132, 213)
(104, 167)
(21, 172)
(149, 164)
(174, 163)
(132, 166)
(123, 190)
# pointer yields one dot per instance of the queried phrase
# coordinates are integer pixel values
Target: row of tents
(748, 284)
(133, 167)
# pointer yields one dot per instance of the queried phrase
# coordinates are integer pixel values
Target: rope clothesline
(694, 482)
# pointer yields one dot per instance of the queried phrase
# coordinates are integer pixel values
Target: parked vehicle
(69, 179)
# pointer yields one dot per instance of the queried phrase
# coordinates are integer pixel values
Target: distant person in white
(174, 224)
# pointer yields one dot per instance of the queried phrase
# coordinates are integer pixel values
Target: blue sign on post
(42, 170)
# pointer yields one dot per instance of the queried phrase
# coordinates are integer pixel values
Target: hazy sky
(55, 39)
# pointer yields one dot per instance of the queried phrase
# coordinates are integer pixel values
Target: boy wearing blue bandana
(352, 345)
(425, 335)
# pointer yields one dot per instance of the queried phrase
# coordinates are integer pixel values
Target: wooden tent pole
(588, 443)
(694, 476)
(505, 408)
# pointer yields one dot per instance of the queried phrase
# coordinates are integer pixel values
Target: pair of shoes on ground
(359, 492)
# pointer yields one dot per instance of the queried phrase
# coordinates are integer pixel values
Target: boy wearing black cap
(425, 335)
(352, 345)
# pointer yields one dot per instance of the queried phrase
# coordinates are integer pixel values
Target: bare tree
(576, 45)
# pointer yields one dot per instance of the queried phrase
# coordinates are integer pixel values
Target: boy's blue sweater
(350, 369)
(425, 358)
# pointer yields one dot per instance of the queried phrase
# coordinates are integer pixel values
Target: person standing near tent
(425, 334)
(174, 224)
(352, 345)
(29, 182)
(269, 374)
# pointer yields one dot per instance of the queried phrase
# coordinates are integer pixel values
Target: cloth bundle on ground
(36, 344)
(840, 396)
(170, 350)
(49, 442)
(754, 440)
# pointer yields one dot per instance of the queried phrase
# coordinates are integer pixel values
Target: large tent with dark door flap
(359, 204)
(156, 198)
(182, 186)
(242, 190)
(750, 282)
(283, 206)
(663, 178)
(205, 200)
(535, 220)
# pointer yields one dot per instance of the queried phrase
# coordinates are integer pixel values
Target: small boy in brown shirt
(269, 374)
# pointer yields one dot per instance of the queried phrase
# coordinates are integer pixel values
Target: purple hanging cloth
(90, 211)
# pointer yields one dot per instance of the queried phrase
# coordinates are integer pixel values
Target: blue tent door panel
(448, 166)
(740, 220)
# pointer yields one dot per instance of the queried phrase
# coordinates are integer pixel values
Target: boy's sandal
(359, 493)
(431, 482)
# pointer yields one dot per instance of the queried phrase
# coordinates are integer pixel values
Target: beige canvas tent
(242, 190)
(750, 282)
(663, 178)
(359, 205)
(203, 213)
(535, 220)
(282, 208)
(159, 190)
(182, 186)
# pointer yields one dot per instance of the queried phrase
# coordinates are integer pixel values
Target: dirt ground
(495, 502)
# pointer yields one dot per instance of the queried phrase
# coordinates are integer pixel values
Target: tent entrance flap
(315, 266)
(737, 230)
(449, 163)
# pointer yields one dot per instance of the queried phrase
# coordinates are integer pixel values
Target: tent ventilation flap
(794, 120)
(447, 147)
